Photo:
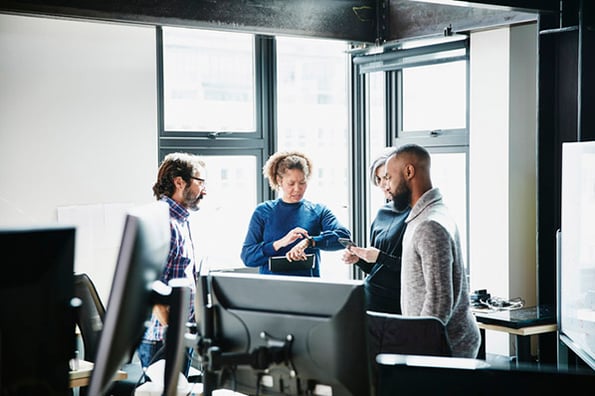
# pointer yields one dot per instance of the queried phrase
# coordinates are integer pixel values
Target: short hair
(172, 166)
(414, 150)
(378, 162)
(281, 162)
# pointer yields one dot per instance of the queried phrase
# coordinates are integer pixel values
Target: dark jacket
(383, 283)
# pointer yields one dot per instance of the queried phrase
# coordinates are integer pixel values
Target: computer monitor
(135, 289)
(269, 335)
(37, 332)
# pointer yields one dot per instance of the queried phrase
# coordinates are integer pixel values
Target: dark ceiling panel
(353, 20)
(410, 19)
(515, 5)
(504, 5)
(340, 19)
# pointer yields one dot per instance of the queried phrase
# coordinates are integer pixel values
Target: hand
(290, 237)
(369, 255)
(162, 313)
(297, 253)
(348, 257)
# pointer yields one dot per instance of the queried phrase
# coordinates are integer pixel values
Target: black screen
(325, 322)
(37, 332)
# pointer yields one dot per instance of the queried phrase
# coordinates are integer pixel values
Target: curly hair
(172, 166)
(281, 162)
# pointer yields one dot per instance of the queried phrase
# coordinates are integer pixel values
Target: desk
(523, 323)
(82, 376)
(434, 375)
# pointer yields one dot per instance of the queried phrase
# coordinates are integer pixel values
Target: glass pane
(208, 77)
(313, 118)
(377, 117)
(434, 97)
(449, 174)
(219, 227)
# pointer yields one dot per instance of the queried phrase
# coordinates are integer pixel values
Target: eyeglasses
(202, 182)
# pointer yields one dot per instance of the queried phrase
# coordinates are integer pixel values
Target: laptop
(518, 318)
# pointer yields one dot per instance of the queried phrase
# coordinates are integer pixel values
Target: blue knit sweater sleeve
(272, 220)
(256, 249)
(331, 230)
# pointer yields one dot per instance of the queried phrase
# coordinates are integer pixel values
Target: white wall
(78, 128)
(503, 128)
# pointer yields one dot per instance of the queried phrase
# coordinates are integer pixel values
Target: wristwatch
(311, 241)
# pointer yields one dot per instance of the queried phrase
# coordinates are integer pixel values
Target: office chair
(407, 335)
(89, 316)
(89, 319)
(403, 335)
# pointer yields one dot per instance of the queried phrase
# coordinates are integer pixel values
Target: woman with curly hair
(290, 225)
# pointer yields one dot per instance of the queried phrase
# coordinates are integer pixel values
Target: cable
(501, 304)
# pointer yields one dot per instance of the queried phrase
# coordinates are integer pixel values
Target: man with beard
(433, 281)
(181, 184)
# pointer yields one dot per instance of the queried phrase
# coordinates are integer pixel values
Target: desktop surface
(518, 318)
(431, 375)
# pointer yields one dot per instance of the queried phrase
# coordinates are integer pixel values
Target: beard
(401, 197)
(191, 201)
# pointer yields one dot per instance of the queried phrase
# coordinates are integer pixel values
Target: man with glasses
(181, 184)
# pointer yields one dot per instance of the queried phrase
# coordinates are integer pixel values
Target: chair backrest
(89, 316)
(408, 335)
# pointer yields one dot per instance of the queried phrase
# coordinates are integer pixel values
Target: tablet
(281, 264)
(346, 242)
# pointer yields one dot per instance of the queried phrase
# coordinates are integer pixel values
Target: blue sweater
(272, 220)
(383, 283)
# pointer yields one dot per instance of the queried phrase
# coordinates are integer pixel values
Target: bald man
(433, 281)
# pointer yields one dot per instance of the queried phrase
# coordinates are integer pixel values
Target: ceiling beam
(414, 19)
(535, 6)
(341, 19)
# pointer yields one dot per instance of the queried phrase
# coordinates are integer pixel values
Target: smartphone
(346, 242)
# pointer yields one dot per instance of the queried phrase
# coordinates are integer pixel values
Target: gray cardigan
(433, 281)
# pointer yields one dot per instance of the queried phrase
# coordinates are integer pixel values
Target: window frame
(262, 142)
(210, 142)
(392, 59)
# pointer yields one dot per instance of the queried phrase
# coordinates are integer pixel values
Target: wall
(78, 129)
(503, 200)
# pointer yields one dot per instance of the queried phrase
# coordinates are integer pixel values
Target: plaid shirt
(180, 261)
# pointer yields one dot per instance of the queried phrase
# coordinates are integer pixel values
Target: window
(219, 227)
(449, 174)
(434, 114)
(312, 110)
(218, 102)
(377, 127)
(209, 82)
(211, 100)
(434, 97)
(427, 103)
